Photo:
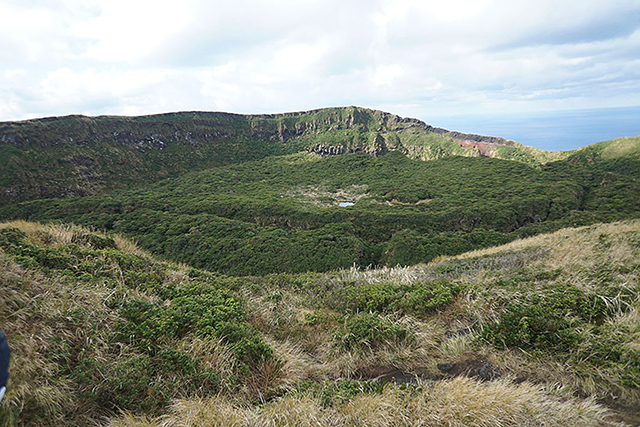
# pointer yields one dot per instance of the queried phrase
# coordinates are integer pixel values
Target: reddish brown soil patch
(484, 148)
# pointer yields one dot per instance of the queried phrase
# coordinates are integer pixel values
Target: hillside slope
(544, 330)
(621, 155)
(77, 155)
(283, 214)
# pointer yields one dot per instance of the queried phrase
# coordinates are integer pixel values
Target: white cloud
(129, 31)
(411, 57)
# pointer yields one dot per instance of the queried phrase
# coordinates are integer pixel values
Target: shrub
(419, 299)
(369, 331)
(94, 241)
(205, 311)
(424, 299)
(143, 383)
(333, 393)
(11, 236)
(531, 326)
(553, 319)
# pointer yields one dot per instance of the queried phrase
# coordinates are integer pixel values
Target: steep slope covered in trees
(76, 155)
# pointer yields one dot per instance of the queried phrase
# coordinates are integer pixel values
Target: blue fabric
(4, 360)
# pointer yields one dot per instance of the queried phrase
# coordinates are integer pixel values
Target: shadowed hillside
(77, 155)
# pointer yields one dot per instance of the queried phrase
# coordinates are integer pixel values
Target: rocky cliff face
(193, 128)
(137, 132)
(78, 155)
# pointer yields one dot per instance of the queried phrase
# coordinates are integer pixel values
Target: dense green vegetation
(282, 214)
(78, 156)
(319, 274)
(94, 156)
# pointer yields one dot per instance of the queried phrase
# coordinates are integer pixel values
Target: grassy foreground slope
(282, 214)
(542, 331)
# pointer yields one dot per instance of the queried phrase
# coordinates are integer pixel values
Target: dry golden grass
(630, 321)
(130, 420)
(128, 246)
(458, 402)
(215, 411)
(212, 353)
(62, 234)
(582, 247)
(401, 275)
(297, 365)
(417, 355)
(37, 310)
(465, 402)
(31, 311)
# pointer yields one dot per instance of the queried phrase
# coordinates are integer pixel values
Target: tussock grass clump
(370, 331)
(459, 402)
(43, 320)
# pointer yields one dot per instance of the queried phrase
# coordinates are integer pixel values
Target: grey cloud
(599, 28)
(218, 33)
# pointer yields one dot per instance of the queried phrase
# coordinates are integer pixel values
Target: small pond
(343, 204)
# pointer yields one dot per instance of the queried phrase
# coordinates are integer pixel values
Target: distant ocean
(552, 130)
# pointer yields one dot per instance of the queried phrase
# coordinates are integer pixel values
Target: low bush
(368, 331)
(202, 310)
(554, 318)
(333, 393)
(147, 384)
(419, 299)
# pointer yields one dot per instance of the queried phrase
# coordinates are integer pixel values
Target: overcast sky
(423, 59)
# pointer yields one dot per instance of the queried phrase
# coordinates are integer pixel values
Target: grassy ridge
(98, 326)
(82, 156)
(77, 155)
(246, 218)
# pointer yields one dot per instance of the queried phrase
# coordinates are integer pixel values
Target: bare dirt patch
(321, 196)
